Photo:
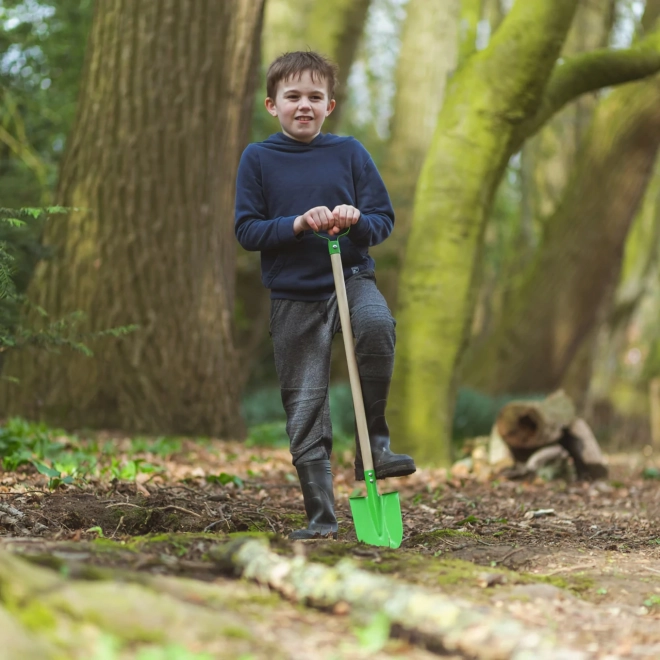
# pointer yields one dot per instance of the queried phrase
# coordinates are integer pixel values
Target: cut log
(580, 442)
(527, 426)
(443, 623)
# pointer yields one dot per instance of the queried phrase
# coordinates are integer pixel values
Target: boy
(295, 183)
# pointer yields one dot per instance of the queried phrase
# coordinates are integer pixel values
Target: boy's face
(301, 105)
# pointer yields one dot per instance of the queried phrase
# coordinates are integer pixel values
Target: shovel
(377, 517)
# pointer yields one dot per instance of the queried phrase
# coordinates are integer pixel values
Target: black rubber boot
(316, 483)
(386, 463)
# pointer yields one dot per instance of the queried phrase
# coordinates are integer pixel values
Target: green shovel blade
(377, 518)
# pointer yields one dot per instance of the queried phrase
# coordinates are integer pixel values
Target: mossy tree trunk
(490, 94)
(427, 59)
(547, 162)
(580, 259)
(163, 116)
(540, 340)
(501, 96)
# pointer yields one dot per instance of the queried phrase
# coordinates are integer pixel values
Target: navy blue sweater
(280, 179)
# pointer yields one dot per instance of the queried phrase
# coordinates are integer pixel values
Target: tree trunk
(428, 56)
(547, 161)
(471, 12)
(542, 328)
(162, 119)
(468, 155)
(552, 152)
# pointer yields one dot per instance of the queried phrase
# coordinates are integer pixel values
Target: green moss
(439, 534)
(110, 545)
(575, 583)
(252, 534)
(36, 617)
(235, 632)
(294, 520)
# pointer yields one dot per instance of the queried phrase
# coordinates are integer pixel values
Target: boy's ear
(270, 106)
(331, 106)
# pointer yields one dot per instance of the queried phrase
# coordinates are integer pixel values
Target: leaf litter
(581, 559)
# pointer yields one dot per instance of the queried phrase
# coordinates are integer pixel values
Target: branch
(436, 620)
(589, 72)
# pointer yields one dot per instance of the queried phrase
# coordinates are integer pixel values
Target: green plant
(29, 443)
(652, 601)
(128, 469)
(223, 479)
(47, 334)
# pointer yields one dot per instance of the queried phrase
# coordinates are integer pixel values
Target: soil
(579, 559)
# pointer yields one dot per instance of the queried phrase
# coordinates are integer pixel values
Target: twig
(192, 490)
(509, 554)
(121, 521)
(568, 569)
(494, 545)
(653, 570)
(156, 508)
(208, 528)
(178, 508)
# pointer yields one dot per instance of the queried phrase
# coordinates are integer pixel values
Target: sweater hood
(283, 143)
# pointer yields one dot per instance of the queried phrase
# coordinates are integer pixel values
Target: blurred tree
(498, 99)
(546, 162)
(150, 166)
(428, 57)
(471, 12)
(542, 328)
(563, 295)
(42, 49)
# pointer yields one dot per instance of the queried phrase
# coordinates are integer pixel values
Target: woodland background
(519, 144)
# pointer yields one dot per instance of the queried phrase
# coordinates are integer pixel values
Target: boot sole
(386, 471)
(305, 535)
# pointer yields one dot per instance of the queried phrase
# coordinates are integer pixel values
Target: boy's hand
(319, 219)
(344, 216)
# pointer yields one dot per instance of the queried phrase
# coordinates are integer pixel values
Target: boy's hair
(294, 64)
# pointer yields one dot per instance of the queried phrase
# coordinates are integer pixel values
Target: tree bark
(442, 623)
(467, 158)
(471, 11)
(528, 426)
(542, 328)
(428, 57)
(163, 116)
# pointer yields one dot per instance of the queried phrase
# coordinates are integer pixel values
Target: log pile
(529, 426)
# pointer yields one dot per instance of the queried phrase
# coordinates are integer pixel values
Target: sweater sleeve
(376, 213)
(254, 229)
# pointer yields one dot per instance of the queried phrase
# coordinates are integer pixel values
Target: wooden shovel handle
(353, 373)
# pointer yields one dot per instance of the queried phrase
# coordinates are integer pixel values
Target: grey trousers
(302, 335)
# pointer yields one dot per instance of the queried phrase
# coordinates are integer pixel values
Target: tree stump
(527, 426)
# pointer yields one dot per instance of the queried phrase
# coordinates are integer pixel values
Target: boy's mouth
(304, 119)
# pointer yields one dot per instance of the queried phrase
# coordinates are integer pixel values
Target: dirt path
(579, 560)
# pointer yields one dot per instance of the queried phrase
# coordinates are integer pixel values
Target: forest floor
(575, 560)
